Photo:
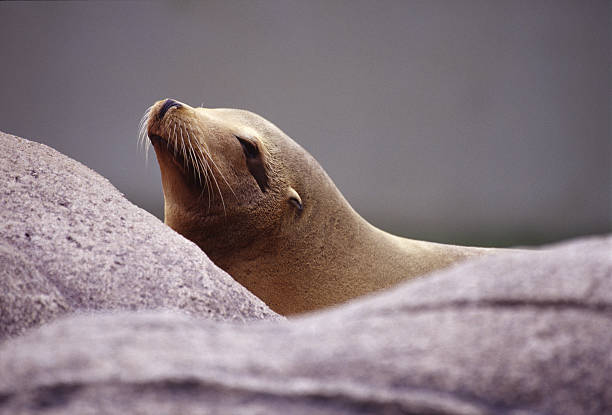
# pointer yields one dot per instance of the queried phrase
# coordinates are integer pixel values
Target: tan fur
(294, 261)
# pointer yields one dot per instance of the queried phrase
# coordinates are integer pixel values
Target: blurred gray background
(484, 122)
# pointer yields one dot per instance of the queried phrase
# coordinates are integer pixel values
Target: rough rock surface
(517, 333)
(70, 241)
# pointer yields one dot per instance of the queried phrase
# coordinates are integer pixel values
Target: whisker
(192, 157)
(142, 142)
(183, 152)
(181, 131)
(197, 166)
(207, 183)
(183, 140)
(199, 162)
(200, 147)
(219, 170)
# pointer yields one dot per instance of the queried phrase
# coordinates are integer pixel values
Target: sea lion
(265, 211)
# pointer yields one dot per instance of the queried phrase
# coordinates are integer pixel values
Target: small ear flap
(295, 199)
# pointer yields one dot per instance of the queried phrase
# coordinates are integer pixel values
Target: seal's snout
(167, 105)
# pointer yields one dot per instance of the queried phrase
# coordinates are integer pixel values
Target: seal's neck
(339, 256)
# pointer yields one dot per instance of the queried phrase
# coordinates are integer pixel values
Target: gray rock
(517, 333)
(70, 241)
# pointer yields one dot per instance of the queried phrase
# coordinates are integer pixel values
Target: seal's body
(265, 211)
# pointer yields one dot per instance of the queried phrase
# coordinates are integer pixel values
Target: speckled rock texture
(70, 241)
(516, 333)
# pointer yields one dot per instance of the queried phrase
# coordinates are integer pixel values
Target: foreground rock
(520, 333)
(70, 241)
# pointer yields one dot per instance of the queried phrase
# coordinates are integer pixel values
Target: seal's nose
(167, 105)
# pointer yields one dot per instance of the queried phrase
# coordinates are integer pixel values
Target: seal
(264, 210)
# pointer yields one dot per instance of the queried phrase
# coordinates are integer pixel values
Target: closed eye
(250, 150)
(254, 163)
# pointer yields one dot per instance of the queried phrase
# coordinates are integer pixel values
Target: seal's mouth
(155, 139)
(175, 156)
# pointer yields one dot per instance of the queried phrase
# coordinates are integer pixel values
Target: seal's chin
(161, 144)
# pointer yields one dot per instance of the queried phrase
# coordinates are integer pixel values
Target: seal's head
(233, 182)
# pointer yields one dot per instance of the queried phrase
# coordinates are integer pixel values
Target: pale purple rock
(517, 333)
(70, 241)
